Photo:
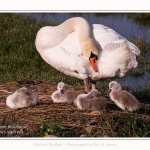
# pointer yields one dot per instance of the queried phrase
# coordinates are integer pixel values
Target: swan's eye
(92, 55)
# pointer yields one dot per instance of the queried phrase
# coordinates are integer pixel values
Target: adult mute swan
(86, 52)
(123, 99)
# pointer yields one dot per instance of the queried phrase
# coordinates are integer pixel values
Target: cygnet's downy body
(19, 99)
(91, 101)
(64, 96)
(35, 98)
(123, 99)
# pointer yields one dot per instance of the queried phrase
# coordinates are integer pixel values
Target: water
(124, 25)
(119, 22)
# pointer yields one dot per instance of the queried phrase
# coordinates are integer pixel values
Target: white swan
(64, 96)
(91, 101)
(88, 53)
(123, 99)
(19, 99)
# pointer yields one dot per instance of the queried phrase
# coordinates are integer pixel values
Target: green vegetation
(20, 60)
(55, 129)
(144, 58)
(140, 16)
(109, 125)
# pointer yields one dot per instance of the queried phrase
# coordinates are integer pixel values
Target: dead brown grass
(80, 122)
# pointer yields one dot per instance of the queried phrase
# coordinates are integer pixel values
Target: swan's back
(91, 101)
(102, 35)
(68, 97)
(105, 35)
(9, 101)
(96, 103)
(125, 100)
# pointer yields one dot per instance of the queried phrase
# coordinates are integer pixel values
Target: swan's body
(91, 101)
(67, 48)
(123, 99)
(64, 96)
(19, 99)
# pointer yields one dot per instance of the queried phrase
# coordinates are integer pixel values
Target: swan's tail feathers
(117, 44)
(134, 49)
(126, 47)
(124, 58)
(133, 61)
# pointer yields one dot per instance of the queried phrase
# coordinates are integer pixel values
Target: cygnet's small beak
(62, 91)
(27, 93)
(109, 91)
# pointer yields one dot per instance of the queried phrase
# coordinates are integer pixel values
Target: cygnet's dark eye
(27, 93)
(97, 95)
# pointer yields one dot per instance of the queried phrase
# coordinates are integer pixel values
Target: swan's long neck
(52, 36)
(90, 94)
(82, 27)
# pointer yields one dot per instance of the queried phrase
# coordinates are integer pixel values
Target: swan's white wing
(104, 36)
(66, 62)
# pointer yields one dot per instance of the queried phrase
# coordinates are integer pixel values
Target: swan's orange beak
(93, 63)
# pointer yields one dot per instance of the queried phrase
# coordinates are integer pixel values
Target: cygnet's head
(34, 94)
(23, 91)
(61, 87)
(113, 86)
(94, 93)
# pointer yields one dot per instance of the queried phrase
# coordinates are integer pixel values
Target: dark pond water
(121, 23)
(124, 25)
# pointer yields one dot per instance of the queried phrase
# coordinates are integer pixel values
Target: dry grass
(77, 121)
(45, 112)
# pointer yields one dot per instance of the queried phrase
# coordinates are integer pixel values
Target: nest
(28, 122)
